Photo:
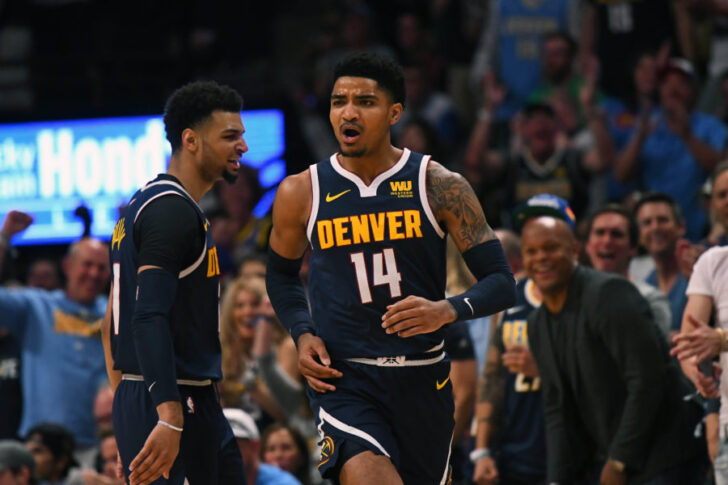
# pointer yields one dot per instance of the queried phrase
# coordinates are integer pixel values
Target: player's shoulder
(296, 186)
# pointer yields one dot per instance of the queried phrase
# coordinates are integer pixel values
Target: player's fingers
(140, 458)
(412, 331)
(404, 304)
(391, 322)
(154, 471)
(403, 325)
(309, 367)
(319, 349)
(391, 318)
(319, 386)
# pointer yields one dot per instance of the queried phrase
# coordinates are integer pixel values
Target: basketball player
(163, 309)
(376, 217)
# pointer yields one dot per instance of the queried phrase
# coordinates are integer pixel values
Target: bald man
(59, 333)
(613, 398)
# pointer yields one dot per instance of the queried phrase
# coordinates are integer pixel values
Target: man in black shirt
(612, 395)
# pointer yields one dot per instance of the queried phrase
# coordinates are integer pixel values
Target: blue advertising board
(48, 169)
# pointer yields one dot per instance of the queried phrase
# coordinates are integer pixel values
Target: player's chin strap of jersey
(286, 293)
(495, 290)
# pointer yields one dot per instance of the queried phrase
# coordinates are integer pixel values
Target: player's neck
(369, 166)
(189, 176)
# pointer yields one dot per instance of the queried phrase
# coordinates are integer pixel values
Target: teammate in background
(510, 444)
(376, 217)
(163, 354)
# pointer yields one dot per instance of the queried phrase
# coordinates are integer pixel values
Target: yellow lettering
(377, 223)
(360, 229)
(213, 266)
(401, 186)
(340, 231)
(325, 234)
(412, 223)
(118, 235)
(507, 327)
(395, 223)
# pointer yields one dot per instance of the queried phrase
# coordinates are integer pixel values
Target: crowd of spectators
(617, 107)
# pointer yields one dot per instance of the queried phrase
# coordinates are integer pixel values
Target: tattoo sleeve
(454, 203)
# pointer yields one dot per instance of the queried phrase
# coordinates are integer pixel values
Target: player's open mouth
(350, 135)
(235, 164)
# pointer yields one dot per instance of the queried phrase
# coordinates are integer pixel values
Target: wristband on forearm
(287, 294)
(495, 289)
(152, 336)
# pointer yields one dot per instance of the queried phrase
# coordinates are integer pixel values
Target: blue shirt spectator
(60, 339)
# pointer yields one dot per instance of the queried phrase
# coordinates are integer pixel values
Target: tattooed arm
(455, 206)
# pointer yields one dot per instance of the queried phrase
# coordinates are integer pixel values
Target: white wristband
(478, 454)
(164, 423)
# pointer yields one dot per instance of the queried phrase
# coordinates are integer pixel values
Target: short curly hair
(382, 69)
(193, 104)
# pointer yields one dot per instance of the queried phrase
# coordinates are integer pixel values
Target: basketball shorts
(208, 453)
(391, 407)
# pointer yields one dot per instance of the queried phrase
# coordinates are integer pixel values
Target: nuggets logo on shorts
(327, 450)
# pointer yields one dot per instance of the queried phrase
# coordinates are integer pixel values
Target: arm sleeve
(623, 323)
(496, 287)
(168, 234)
(287, 295)
(286, 392)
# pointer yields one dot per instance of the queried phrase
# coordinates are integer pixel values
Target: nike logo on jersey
(467, 302)
(150, 387)
(514, 309)
(330, 197)
(439, 385)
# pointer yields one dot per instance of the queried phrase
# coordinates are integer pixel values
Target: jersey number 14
(384, 272)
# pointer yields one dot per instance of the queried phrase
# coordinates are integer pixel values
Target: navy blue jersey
(194, 317)
(372, 246)
(521, 440)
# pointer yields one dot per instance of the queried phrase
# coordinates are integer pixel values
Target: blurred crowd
(616, 107)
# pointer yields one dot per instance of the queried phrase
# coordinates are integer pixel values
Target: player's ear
(190, 139)
(395, 113)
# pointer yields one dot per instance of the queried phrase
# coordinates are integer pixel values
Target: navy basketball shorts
(208, 454)
(403, 412)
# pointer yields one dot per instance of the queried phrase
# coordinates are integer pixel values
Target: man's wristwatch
(478, 454)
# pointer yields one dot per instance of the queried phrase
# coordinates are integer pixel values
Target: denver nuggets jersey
(193, 319)
(521, 439)
(372, 246)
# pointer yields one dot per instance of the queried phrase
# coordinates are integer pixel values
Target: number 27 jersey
(372, 246)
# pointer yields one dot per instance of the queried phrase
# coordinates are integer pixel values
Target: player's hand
(314, 363)
(416, 315)
(611, 476)
(486, 472)
(15, 222)
(161, 448)
(698, 340)
(519, 360)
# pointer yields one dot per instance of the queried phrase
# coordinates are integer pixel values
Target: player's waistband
(181, 382)
(429, 357)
